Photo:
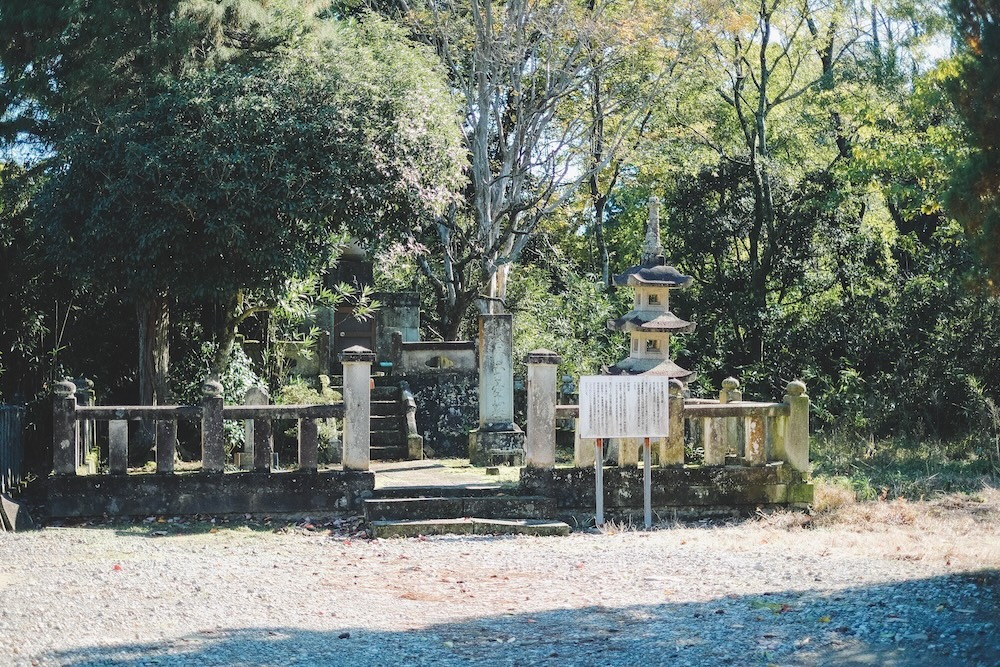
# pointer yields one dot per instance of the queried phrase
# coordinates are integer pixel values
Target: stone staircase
(388, 430)
(415, 511)
(391, 436)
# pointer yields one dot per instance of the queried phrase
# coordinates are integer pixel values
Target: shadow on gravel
(920, 623)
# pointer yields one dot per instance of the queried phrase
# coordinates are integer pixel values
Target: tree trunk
(153, 315)
(225, 336)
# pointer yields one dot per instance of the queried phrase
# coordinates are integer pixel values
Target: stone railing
(730, 431)
(414, 441)
(355, 410)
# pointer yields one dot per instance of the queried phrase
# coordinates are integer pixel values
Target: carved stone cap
(211, 389)
(357, 354)
(64, 389)
(730, 383)
(796, 388)
(543, 356)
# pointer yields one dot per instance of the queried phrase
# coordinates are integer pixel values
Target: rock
(13, 516)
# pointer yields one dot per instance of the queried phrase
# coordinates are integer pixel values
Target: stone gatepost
(254, 396)
(357, 362)
(497, 435)
(213, 436)
(795, 444)
(64, 440)
(540, 443)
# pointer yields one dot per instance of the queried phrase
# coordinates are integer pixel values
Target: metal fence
(11, 446)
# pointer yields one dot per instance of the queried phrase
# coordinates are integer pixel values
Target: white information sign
(624, 406)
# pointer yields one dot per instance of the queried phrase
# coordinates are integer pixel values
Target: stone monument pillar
(540, 445)
(497, 436)
(357, 362)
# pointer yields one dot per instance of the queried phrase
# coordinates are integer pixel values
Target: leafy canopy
(240, 177)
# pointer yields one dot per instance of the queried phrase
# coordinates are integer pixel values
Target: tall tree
(975, 192)
(521, 69)
(229, 183)
(207, 149)
(64, 67)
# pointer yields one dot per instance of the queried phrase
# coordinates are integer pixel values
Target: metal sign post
(623, 406)
(647, 485)
(599, 480)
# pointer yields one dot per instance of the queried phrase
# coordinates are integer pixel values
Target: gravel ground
(907, 584)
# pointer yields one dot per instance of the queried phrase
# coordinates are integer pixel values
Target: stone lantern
(650, 324)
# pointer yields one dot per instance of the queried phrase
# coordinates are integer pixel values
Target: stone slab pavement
(453, 473)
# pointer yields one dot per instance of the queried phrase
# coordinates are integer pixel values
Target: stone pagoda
(650, 324)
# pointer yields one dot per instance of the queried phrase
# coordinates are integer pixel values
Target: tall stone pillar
(64, 437)
(213, 434)
(497, 435)
(357, 362)
(796, 440)
(540, 442)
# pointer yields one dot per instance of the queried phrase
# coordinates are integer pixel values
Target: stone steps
(468, 526)
(472, 514)
(389, 452)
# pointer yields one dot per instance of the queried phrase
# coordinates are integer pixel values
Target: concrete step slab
(468, 526)
(451, 491)
(385, 409)
(391, 452)
(434, 507)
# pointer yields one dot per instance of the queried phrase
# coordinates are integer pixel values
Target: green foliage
(234, 179)
(555, 308)
(902, 467)
(298, 391)
(192, 370)
(974, 197)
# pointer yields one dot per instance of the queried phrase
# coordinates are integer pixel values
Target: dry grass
(832, 493)
(981, 509)
(959, 529)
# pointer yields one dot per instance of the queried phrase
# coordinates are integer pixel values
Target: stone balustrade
(730, 431)
(69, 447)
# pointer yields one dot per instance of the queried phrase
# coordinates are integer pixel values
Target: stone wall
(689, 491)
(398, 314)
(444, 379)
(199, 493)
(447, 409)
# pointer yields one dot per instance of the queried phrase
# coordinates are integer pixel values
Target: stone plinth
(486, 447)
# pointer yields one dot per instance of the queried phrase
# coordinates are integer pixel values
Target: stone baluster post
(357, 362)
(254, 396)
(86, 436)
(263, 444)
(213, 437)
(583, 451)
(714, 437)
(733, 427)
(672, 447)
(540, 445)
(118, 446)
(308, 445)
(166, 444)
(795, 444)
(64, 440)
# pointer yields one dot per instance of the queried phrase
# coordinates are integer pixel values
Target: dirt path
(908, 584)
